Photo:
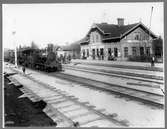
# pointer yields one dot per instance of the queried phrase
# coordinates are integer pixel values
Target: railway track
(122, 74)
(65, 110)
(134, 94)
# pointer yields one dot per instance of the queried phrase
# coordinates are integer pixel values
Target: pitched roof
(84, 40)
(115, 32)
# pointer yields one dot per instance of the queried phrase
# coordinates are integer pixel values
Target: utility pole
(149, 38)
(14, 40)
(14, 32)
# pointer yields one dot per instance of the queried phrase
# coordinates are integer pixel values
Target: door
(115, 52)
(141, 51)
(102, 53)
(109, 53)
(93, 54)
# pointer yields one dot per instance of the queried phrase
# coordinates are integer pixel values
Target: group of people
(65, 59)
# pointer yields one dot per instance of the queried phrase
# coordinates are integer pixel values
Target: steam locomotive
(35, 59)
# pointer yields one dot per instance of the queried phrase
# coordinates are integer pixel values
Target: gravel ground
(19, 112)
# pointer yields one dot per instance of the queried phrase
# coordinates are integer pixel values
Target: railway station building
(106, 41)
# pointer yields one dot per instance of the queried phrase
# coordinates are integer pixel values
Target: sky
(66, 23)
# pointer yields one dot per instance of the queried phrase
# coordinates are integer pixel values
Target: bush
(143, 58)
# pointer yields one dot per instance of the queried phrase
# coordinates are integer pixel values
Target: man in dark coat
(152, 61)
(24, 69)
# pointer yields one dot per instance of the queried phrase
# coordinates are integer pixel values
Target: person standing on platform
(152, 61)
(24, 69)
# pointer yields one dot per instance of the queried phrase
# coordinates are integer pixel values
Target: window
(83, 52)
(92, 37)
(146, 37)
(125, 51)
(134, 51)
(93, 40)
(98, 52)
(109, 51)
(93, 53)
(102, 53)
(137, 36)
(115, 52)
(148, 51)
(87, 52)
(141, 51)
(97, 38)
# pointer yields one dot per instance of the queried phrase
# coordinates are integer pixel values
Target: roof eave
(111, 38)
(84, 42)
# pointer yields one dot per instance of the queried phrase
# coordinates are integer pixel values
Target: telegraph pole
(14, 32)
(15, 45)
(151, 16)
(149, 38)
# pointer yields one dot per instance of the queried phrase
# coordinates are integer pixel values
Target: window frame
(137, 36)
(134, 53)
(126, 52)
(148, 48)
(87, 52)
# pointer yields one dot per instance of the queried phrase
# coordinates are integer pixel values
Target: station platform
(127, 64)
(143, 73)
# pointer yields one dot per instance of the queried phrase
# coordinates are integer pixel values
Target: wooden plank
(89, 121)
(80, 115)
(78, 108)
(66, 106)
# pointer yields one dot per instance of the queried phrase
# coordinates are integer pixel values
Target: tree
(33, 45)
(158, 47)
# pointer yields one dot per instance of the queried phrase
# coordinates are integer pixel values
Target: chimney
(120, 21)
